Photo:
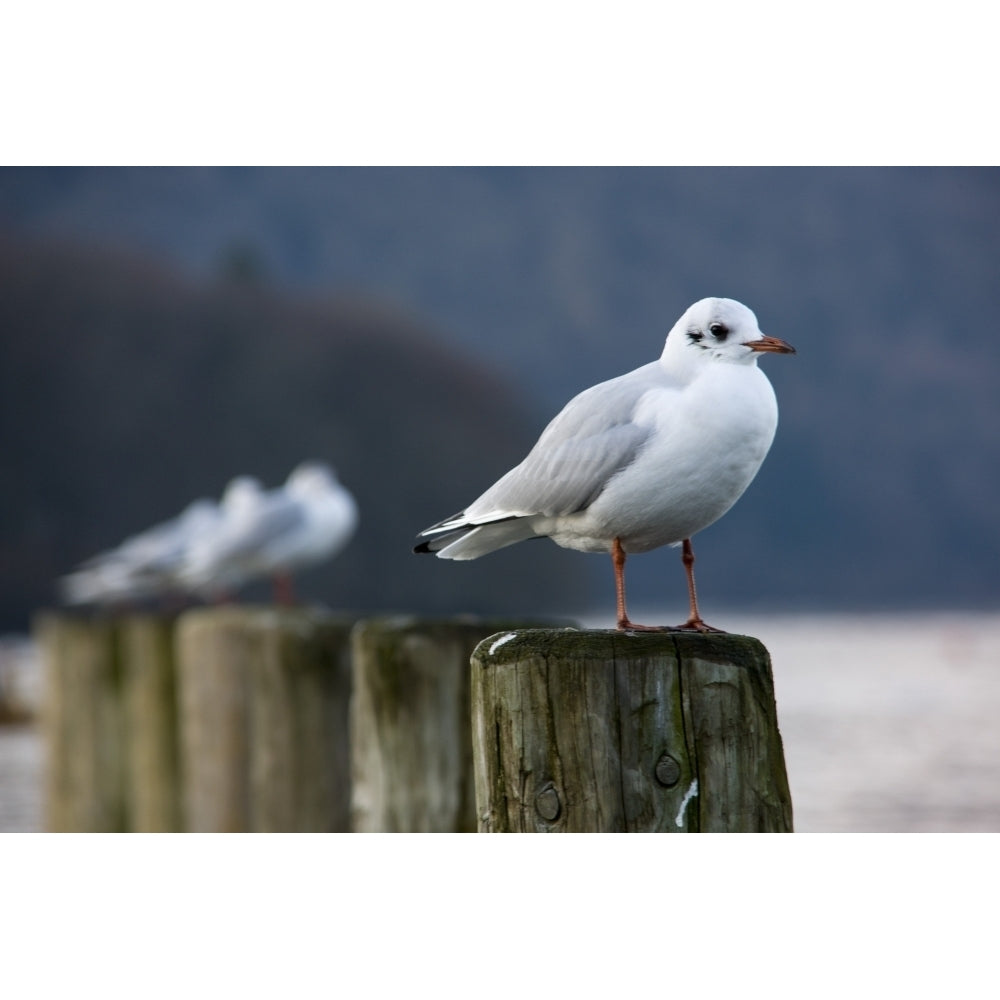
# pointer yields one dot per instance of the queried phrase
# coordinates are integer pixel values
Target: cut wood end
(512, 645)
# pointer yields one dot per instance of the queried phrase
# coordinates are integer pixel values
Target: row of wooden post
(287, 720)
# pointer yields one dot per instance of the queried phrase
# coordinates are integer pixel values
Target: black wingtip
(422, 547)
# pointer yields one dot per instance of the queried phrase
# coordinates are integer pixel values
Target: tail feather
(455, 539)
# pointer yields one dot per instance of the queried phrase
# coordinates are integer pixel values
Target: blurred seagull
(144, 565)
(307, 521)
(643, 460)
(201, 570)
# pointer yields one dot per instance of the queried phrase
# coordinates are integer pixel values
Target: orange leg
(694, 622)
(624, 625)
(284, 590)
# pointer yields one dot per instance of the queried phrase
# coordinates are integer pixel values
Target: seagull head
(311, 478)
(242, 493)
(719, 330)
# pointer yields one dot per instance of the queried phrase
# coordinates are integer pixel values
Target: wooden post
(597, 731)
(263, 719)
(300, 748)
(411, 746)
(213, 651)
(150, 705)
(81, 725)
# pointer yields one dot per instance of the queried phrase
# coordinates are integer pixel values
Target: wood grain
(594, 731)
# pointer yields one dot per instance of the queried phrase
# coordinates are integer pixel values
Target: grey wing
(562, 479)
(581, 450)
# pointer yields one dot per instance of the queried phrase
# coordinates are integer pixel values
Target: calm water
(20, 780)
(890, 723)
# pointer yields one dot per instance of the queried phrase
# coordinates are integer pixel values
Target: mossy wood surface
(263, 708)
(411, 747)
(82, 725)
(300, 747)
(152, 755)
(602, 731)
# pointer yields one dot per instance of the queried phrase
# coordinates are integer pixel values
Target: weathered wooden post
(411, 746)
(300, 746)
(263, 719)
(82, 725)
(152, 778)
(600, 731)
(213, 652)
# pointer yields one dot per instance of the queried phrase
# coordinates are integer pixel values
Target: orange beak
(771, 344)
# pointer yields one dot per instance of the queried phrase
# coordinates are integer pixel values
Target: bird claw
(624, 625)
(697, 625)
(691, 625)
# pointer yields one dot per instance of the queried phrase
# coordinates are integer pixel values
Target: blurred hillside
(126, 391)
(879, 490)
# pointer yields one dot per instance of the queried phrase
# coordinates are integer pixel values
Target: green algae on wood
(82, 724)
(411, 744)
(263, 719)
(149, 702)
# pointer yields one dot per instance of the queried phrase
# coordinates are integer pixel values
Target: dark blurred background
(163, 330)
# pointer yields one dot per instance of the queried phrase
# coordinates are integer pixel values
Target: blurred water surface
(890, 722)
(20, 779)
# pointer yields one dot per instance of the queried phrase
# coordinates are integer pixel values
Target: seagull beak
(771, 344)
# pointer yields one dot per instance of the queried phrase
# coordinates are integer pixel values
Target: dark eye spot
(719, 330)
(694, 335)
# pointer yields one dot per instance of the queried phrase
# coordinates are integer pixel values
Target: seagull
(144, 565)
(271, 533)
(202, 570)
(329, 519)
(643, 460)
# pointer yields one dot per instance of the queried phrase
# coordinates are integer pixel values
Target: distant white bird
(307, 521)
(643, 460)
(201, 571)
(144, 565)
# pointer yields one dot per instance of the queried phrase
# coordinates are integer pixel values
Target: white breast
(707, 443)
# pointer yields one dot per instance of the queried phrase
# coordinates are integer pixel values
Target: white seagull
(144, 565)
(640, 461)
(308, 520)
(204, 570)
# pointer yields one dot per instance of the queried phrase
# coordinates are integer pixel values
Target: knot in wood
(668, 771)
(547, 803)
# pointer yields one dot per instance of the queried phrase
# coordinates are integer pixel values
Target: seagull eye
(719, 330)
(695, 335)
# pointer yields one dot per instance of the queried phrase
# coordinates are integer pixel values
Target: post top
(610, 644)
